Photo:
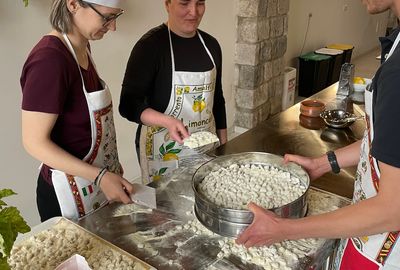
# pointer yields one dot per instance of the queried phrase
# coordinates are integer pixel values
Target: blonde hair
(61, 17)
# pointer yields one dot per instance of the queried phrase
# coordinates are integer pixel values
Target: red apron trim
(374, 175)
(387, 247)
(77, 196)
(353, 259)
(99, 131)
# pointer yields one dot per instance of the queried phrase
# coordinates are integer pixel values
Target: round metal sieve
(231, 222)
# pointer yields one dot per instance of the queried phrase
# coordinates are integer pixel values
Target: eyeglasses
(107, 19)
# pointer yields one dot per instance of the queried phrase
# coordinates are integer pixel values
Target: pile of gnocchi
(199, 139)
(235, 186)
(51, 247)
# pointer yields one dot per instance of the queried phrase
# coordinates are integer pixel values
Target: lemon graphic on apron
(199, 104)
(170, 156)
(168, 152)
(157, 176)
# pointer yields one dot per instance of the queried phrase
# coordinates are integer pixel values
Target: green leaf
(170, 145)
(2, 247)
(13, 216)
(175, 151)
(8, 236)
(162, 150)
(162, 170)
(3, 264)
(2, 203)
(11, 223)
(26, 2)
(6, 193)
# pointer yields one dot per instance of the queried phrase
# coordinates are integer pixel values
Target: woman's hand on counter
(315, 167)
(116, 188)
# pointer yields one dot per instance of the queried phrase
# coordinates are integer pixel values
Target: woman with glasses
(173, 83)
(67, 119)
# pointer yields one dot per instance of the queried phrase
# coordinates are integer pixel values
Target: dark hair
(61, 17)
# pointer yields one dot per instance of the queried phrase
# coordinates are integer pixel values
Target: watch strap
(333, 162)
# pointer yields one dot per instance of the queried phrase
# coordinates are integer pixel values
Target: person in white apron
(369, 228)
(195, 94)
(61, 116)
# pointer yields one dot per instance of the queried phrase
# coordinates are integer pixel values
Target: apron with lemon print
(373, 252)
(191, 101)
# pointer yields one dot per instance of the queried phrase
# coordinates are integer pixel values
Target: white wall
(21, 28)
(337, 21)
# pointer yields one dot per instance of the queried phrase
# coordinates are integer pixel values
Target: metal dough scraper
(144, 195)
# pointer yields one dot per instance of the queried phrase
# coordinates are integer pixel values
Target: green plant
(11, 223)
(26, 2)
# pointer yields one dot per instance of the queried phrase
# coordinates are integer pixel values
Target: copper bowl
(311, 122)
(311, 108)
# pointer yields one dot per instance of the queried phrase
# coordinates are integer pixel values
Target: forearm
(222, 135)
(54, 156)
(346, 157)
(371, 216)
(368, 217)
(151, 117)
(36, 132)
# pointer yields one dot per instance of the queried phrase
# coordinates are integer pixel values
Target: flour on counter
(235, 186)
(277, 256)
(182, 235)
(49, 248)
(199, 139)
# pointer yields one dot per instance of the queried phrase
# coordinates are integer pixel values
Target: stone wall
(259, 65)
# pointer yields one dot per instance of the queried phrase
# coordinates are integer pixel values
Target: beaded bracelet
(98, 178)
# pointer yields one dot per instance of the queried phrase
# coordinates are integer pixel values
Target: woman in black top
(164, 55)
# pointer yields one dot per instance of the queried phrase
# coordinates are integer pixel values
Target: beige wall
(21, 28)
(338, 21)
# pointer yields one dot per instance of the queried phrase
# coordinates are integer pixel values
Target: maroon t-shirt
(51, 83)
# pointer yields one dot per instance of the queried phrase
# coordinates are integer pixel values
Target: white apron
(381, 251)
(192, 98)
(77, 196)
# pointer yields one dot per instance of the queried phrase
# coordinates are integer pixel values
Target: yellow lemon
(358, 80)
(170, 156)
(364, 239)
(156, 177)
(196, 106)
(202, 105)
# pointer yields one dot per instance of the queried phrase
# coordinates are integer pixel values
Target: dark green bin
(313, 73)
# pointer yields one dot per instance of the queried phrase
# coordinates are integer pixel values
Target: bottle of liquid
(346, 88)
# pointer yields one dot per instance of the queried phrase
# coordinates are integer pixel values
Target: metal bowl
(338, 118)
(231, 222)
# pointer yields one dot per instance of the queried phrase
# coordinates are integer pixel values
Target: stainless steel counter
(153, 235)
(288, 132)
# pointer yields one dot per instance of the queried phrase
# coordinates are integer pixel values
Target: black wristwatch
(333, 162)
